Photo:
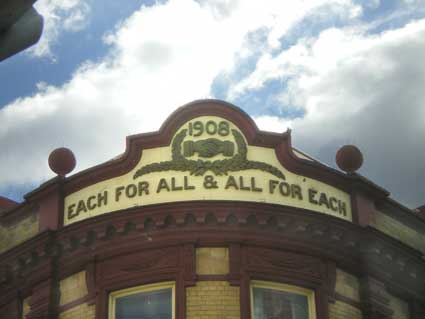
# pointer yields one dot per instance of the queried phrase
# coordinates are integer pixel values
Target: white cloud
(161, 57)
(59, 16)
(362, 89)
(169, 54)
(373, 4)
(272, 123)
(77, 18)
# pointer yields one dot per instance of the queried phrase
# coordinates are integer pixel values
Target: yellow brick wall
(212, 261)
(82, 311)
(12, 235)
(397, 230)
(342, 310)
(72, 288)
(400, 308)
(212, 300)
(347, 285)
(25, 307)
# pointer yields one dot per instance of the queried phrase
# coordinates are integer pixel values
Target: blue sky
(334, 71)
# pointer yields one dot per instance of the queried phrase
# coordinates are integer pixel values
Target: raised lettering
(342, 208)
(174, 187)
(143, 188)
(323, 200)
(131, 190)
(102, 199)
(90, 204)
(242, 186)
(254, 188)
(284, 189)
(272, 185)
(333, 203)
(296, 191)
(81, 208)
(223, 128)
(211, 127)
(162, 185)
(71, 213)
(118, 192)
(209, 182)
(186, 184)
(231, 182)
(311, 194)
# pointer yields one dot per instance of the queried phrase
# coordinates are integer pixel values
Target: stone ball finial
(62, 161)
(349, 158)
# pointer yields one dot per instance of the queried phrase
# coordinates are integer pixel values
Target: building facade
(210, 218)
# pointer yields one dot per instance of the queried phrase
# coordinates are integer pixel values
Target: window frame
(286, 288)
(114, 295)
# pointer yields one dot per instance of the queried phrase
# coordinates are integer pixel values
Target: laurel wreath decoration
(239, 162)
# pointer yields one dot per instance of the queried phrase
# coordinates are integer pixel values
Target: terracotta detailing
(280, 142)
(11, 309)
(363, 208)
(49, 198)
(43, 302)
(6, 203)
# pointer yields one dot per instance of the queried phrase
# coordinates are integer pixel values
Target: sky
(334, 71)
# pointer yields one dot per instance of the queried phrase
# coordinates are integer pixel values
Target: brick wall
(396, 229)
(212, 300)
(16, 233)
(212, 261)
(73, 288)
(342, 310)
(347, 285)
(400, 308)
(82, 311)
(25, 307)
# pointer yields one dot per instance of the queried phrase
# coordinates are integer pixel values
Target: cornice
(357, 249)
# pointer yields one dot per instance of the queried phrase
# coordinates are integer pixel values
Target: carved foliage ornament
(208, 148)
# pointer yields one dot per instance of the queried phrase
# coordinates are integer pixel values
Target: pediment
(207, 150)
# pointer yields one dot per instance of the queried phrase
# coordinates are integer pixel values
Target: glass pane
(155, 304)
(276, 304)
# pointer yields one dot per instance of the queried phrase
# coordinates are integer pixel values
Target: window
(280, 301)
(154, 301)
